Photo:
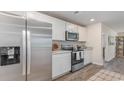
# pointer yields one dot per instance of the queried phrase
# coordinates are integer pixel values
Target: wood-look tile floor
(111, 71)
(81, 75)
(115, 65)
(106, 75)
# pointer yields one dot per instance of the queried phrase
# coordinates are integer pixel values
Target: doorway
(120, 46)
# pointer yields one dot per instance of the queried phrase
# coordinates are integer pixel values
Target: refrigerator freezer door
(39, 38)
(12, 60)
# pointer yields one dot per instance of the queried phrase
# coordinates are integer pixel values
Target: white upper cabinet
(82, 33)
(58, 27)
(71, 27)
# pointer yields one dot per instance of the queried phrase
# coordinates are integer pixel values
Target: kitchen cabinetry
(71, 27)
(82, 33)
(87, 56)
(58, 26)
(61, 64)
(58, 29)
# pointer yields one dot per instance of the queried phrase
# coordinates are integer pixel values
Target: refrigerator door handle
(24, 52)
(28, 52)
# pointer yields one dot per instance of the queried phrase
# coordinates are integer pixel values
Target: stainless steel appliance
(77, 60)
(25, 47)
(71, 36)
(77, 56)
(39, 49)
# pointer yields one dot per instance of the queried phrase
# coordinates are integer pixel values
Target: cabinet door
(56, 65)
(66, 63)
(71, 27)
(82, 33)
(68, 27)
(75, 28)
(87, 57)
(61, 63)
(58, 28)
(12, 47)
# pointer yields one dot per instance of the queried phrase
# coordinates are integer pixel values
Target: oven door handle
(78, 56)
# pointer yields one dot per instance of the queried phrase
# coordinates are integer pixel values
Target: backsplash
(73, 43)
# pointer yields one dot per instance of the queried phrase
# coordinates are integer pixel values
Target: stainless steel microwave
(71, 36)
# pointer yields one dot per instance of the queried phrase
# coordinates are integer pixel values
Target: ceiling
(113, 19)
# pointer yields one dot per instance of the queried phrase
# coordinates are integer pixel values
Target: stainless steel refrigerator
(25, 47)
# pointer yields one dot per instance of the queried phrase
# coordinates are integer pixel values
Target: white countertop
(68, 51)
(88, 48)
(60, 52)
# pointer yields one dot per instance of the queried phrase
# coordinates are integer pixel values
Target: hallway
(111, 71)
(115, 65)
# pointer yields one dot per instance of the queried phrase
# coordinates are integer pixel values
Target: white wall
(94, 40)
(110, 50)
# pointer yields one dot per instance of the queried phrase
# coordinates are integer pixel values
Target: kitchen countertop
(60, 52)
(68, 51)
(88, 48)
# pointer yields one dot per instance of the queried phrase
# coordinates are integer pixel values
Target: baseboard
(54, 78)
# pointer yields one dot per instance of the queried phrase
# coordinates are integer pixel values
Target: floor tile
(98, 79)
(112, 71)
(117, 75)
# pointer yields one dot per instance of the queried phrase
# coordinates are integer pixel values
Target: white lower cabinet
(87, 56)
(61, 64)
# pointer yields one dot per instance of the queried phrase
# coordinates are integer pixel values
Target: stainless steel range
(77, 60)
(77, 57)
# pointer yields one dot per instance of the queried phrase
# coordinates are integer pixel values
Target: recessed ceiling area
(113, 19)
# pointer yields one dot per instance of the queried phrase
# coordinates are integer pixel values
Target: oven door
(76, 58)
(71, 36)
